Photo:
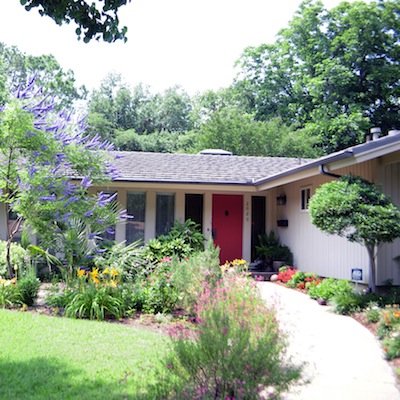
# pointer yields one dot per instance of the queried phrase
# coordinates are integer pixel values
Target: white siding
(389, 254)
(313, 250)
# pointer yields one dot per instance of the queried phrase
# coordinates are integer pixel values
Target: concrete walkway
(343, 359)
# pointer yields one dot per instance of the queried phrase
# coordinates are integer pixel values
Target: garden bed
(342, 298)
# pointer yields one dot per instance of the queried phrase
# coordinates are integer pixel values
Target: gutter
(322, 171)
(317, 163)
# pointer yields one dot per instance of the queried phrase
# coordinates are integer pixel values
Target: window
(305, 198)
(165, 212)
(194, 208)
(135, 207)
(109, 234)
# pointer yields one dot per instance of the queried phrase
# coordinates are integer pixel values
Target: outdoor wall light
(281, 200)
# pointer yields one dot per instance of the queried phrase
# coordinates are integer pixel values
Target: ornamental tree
(354, 208)
(40, 150)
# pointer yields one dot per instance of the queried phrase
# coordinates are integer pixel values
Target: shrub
(346, 302)
(373, 313)
(391, 345)
(158, 294)
(60, 298)
(95, 295)
(330, 287)
(389, 321)
(128, 259)
(238, 348)
(95, 302)
(189, 276)
(28, 287)
(303, 280)
(9, 294)
(182, 241)
(19, 258)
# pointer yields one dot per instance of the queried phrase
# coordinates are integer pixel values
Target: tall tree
(334, 73)
(233, 130)
(17, 67)
(95, 20)
(115, 107)
(38, 146)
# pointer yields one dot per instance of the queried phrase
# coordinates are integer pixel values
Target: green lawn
(58, 358)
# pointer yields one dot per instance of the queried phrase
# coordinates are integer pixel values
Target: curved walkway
(343, 359)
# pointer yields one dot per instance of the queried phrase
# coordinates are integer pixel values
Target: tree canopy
(95, 20)
(334, 73)
(38, 146)
(17, 67)
(355, 209)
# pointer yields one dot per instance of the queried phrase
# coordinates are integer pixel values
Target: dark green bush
(28, 287)
(183, 239)
(346, 302)
(270, 249)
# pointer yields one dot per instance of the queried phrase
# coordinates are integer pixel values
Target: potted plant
(273, 252)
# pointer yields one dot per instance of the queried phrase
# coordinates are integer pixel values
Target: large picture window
(136, 207)
(165, 212)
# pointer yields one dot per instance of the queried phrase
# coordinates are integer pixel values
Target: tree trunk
(11, 233)
(372, 267)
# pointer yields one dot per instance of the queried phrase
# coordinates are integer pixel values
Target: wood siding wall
(389, 254)
(313, 250)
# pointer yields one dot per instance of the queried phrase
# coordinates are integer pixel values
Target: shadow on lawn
(48, 378)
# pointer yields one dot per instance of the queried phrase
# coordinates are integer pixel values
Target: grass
(45, 357)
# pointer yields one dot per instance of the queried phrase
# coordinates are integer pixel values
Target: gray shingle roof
(196, 168)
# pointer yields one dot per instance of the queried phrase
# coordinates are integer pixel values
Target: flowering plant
(237, 265)
(238, 348)
(286, 274)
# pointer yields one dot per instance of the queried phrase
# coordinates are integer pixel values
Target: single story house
(236, 198)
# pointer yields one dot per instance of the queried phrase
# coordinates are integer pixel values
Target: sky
(190, 43)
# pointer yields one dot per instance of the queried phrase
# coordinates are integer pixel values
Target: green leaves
(333, 73)
(94, 21)
(355, 209)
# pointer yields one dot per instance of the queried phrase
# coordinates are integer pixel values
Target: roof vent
(375, 132)
(215, 152)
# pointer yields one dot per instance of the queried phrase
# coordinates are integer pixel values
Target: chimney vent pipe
(375, 132)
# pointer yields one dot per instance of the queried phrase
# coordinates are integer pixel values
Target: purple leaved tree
(47, 166)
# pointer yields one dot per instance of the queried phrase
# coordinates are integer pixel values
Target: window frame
(173, 195)
(130, 222)
(305, 196)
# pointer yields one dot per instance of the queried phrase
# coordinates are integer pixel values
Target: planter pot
(277, 264)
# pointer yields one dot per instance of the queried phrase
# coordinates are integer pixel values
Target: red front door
(227, 225)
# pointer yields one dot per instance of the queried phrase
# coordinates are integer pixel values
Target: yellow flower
(94, 275)
(106, 271)
(113, 284)
(114, 272)
(80, 273)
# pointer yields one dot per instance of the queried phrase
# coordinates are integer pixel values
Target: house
(236, 198)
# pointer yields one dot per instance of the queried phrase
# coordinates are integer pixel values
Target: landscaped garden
(379, 312)
(214, 336)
